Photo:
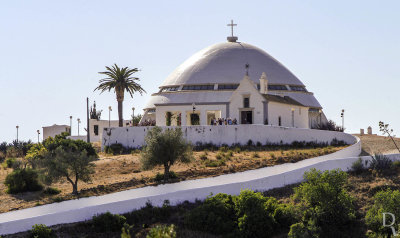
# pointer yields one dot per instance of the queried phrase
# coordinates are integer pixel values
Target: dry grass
(372, 144)
(122, 172)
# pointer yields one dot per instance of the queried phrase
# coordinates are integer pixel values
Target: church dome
(224, 63)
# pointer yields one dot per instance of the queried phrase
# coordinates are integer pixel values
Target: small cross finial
(247, 66)
(232, 38)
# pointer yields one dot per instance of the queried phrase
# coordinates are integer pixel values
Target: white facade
(52, 131)
(97, 128)
(261, 108)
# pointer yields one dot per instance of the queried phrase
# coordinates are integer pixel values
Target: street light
(38, 133)
(133, 115)
(17, 132)
(79, 121)
(342, 115)
(194, 107)
(70, 125)
(109, 116)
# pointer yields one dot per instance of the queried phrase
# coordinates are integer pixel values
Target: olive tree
(165, 148)
(68, 163)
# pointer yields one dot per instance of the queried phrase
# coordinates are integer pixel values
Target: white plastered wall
(247, 89)
(276, 110)
(186, 110)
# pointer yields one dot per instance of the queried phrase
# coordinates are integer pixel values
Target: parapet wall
(133, 137)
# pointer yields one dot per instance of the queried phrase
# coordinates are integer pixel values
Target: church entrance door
(246, 117)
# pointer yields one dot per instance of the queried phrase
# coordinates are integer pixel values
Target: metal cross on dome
(232, 25)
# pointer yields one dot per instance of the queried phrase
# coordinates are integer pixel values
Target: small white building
(97, 127)
(52, 131)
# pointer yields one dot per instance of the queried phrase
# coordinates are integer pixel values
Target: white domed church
(234, 82)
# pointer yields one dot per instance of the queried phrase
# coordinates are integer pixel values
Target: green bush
(380, 162)
(301, 230)
(52, 191)
(162, 232)
(384, 201)
(216, 215)
(357, 166)
(324, 201)
(160, 177)
(23, 180)
(10, 162)
(115, 149)
(255, 214)
(41, 231)
(108, 222)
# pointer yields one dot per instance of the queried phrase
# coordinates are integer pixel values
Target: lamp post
(109, 116)
(342, 115)
(70, 125)
(17, 132)
(79, 121)
(38, 133)
(133, 114)
(194, 107)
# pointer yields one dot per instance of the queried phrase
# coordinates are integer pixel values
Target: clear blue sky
(346, 52)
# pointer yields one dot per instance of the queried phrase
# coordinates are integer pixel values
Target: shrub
(10, 162)
(254, 217)
(203, 156)
(2, 156)
(301, 230)
(162, 232)
(165, 148)
(384, 201)
(108, 222)
(250, 143)
(255, 155)
(214, 163)
(14, 152)
(22, 180)
(324, 200)
(115, 149)
(216, 215)
(380, 162)
(41, 231)
(160, 177)
(357, 166)
(52, 191)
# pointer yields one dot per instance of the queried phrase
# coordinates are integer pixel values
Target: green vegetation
(120, 80)
(387, 201)
(325, 205)
(23, 180)
(108, 222)
(51, 191)
(165, 148)
(162, 232)
(69, 163)
(115, 149)
(42, 231)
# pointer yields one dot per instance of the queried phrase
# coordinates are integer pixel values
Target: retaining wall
(133, 137)
(126, 201)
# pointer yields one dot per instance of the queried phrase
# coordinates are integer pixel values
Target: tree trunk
(120, 117)
(166, 172)
(75, 188)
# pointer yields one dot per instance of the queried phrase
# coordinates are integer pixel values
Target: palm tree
(120, 79)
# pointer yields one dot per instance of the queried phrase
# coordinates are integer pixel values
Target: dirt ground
(122, 172)
(372, 144)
